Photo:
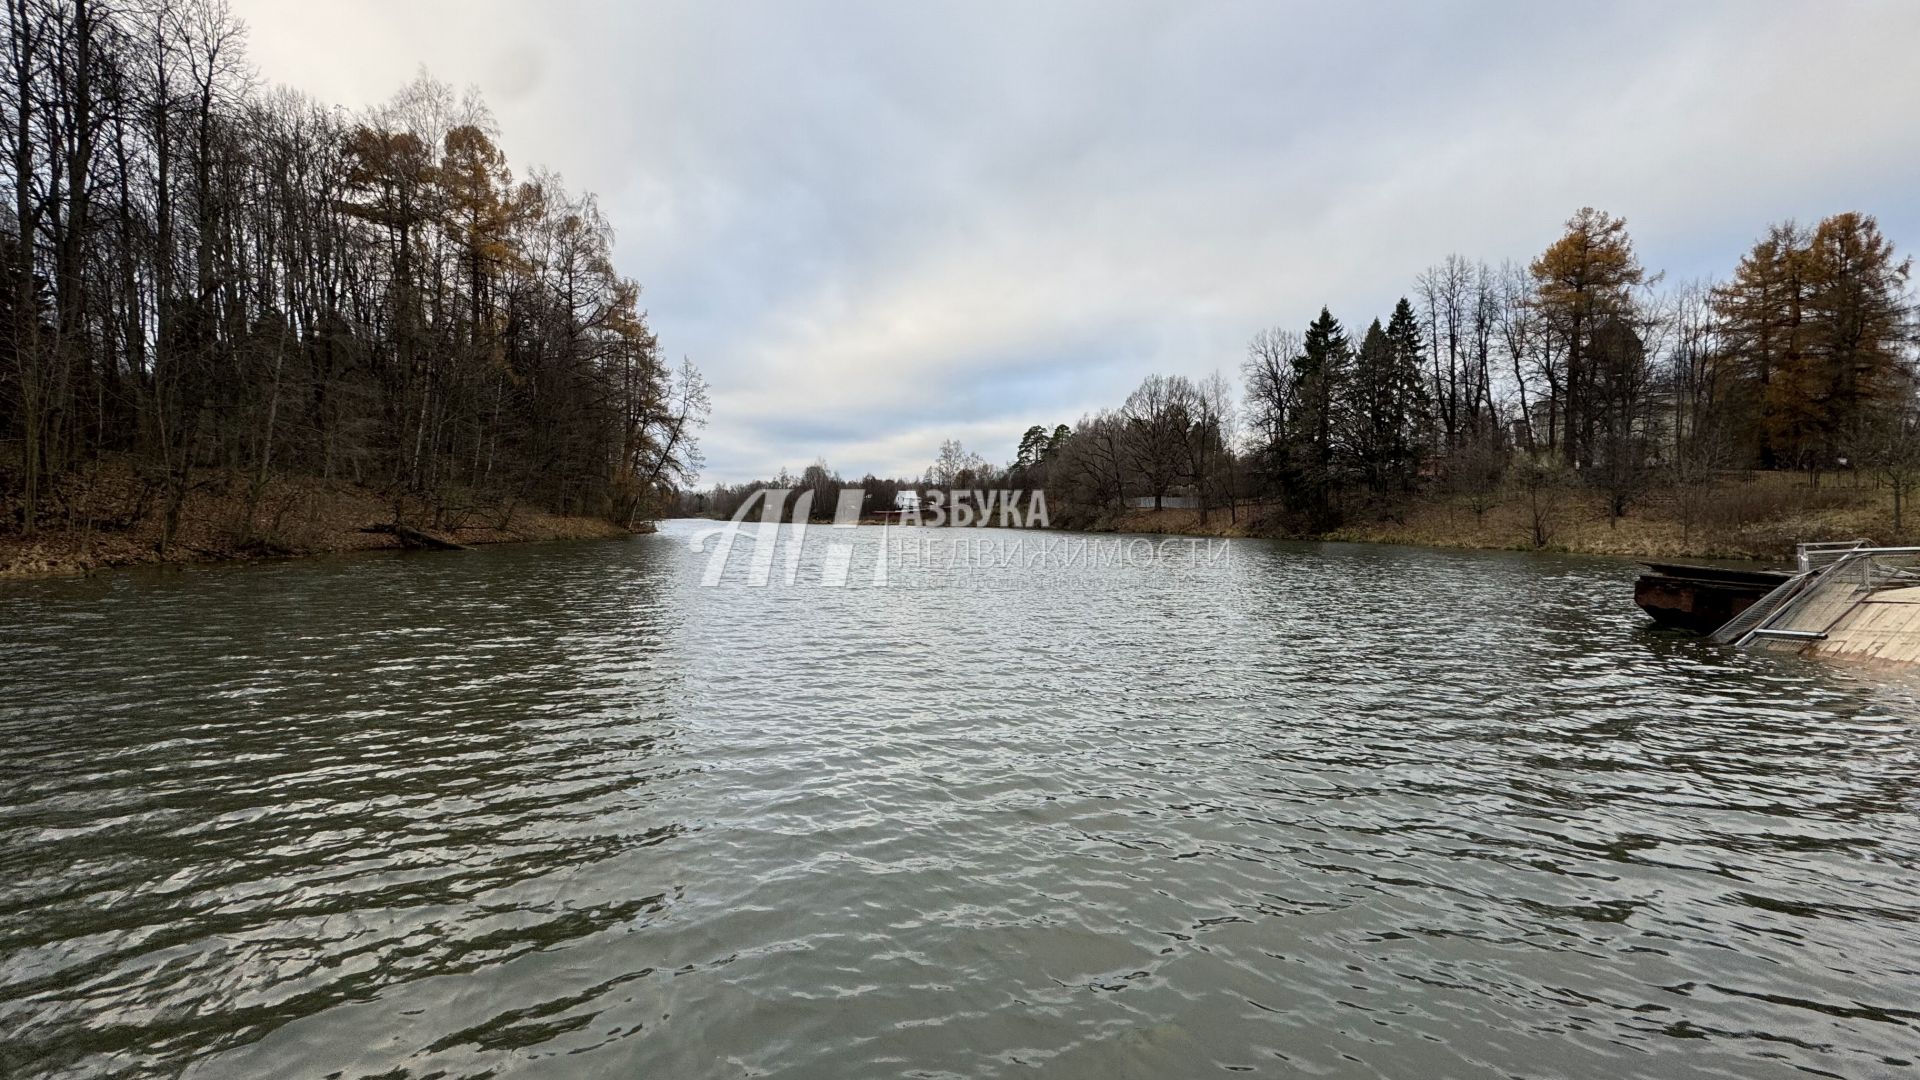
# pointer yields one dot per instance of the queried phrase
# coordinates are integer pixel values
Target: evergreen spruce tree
(1373, 415)
(1406, 389)
(1322, 373)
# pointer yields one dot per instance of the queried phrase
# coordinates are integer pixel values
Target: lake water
(1023, 810)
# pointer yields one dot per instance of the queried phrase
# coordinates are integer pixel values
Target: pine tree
(1033, 446)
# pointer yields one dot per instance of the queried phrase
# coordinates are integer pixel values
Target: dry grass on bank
(111, 516)
(1219, 522)
(1759, 515)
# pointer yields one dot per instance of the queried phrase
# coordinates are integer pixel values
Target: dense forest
(1576, 372)
(210, 282)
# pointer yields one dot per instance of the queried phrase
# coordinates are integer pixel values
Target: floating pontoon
(1847, 599)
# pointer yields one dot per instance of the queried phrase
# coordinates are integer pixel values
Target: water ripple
(1299, 809)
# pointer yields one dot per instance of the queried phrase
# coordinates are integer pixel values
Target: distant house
(905, 504)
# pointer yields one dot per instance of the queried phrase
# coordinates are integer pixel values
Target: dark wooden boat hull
(1700, 598)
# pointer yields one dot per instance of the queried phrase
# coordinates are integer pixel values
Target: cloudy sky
(878, 225)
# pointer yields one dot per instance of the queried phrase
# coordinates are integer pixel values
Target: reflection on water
(557, 809)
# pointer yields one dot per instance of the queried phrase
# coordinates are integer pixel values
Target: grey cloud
(879, 225)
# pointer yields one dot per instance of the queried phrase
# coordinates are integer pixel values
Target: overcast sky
(878, 225)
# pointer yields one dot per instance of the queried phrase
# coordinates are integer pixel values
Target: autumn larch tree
(1583, 280)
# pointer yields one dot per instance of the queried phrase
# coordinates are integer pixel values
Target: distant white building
(1177, 499)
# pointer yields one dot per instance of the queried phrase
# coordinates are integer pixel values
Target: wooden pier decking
(1848, 602)
(1884, 627)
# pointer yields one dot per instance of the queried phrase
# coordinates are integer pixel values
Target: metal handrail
(1832, 550)
(1736, 629)
(1805, 554)
(1839, 558)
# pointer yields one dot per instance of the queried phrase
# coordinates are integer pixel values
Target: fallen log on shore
(414, 538)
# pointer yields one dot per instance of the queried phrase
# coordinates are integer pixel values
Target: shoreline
(222, 521)
(1144, 523)
(299, 517)
(1745, 517)
(1750, 518)
(45, 558)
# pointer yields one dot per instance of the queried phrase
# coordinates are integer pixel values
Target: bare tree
(221, 284)
(1524, 346)
(1159, 419)
(1543, 485)
(1446, 303)
(1221, 415)
(667, 453)
(1091, 469)
(955, 467)
(1270, 401)
(1888, 443)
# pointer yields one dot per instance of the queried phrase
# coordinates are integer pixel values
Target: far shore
(1739, 517)
(1222, 526)
(1753, 518)
(1757, 517)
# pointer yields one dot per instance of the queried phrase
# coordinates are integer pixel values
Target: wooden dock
(1848, 602)
(1882, 628)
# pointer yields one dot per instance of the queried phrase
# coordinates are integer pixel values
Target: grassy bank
(111, 516)
(1741, 516)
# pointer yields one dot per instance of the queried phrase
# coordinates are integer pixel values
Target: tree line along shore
(223, 519)
(1574, 401)
(226, 310)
